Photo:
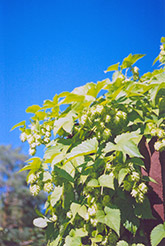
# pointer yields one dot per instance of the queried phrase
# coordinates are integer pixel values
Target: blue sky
(47, 47)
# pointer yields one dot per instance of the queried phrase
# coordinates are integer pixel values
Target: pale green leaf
(51, 151)
(107, 181)
(33, 109)
(56, 195)
(74, 207)
(69, 168)
(122, 243)
(40, 222)
(109, 147)
(93, 183)
(22, 123)
(72, 241)
(100, 216)
(157, 234)
(127, 143)
(122, 173)
(85, 148)
(71, 97)
(82, 211)
(58, 158)
(130, 60)
(112, 68)
(81, 232)
(112, 219)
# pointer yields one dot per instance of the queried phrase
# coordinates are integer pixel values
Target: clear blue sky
(50, 46)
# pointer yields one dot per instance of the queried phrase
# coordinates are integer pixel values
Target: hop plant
(32, 151)
(127, 185)
(23, 136)
(158, 145)
(31, 178)
(106, 134)
(143, 188)
(48, 187)
(34, 189)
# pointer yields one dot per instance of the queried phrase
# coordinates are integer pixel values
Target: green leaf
(162, 40)
(85, 148)
(112, 219)
(155, 60)
(82, 211)
(122, 173)
(122, 243)
(130, 60)
(40, 222)
(126, 143)
(27, 167)
(143, 210)
(71, 97)
(56, 241)
(100, 216)
(107, 181)
(56, 195)
(62, 173)
(72, 241)
(81, 232)
(33, 109)
(128, 218)
(41, 115)
(93, 183)
(157, 234)
(149, 179)
(22, 123)
(109, 147)
(34, 164)
(98, 238)
(65, 122)
(112, 68)
(74, 208)
(53, 150)
(58, 158)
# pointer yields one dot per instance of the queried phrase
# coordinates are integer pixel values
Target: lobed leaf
(157, 234)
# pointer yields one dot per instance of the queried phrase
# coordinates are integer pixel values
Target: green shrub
(92, 164)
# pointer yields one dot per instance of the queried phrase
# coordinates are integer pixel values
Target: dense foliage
(16, 203)
(92, 164)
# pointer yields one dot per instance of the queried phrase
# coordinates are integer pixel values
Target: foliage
(16, 203)
(91, 168)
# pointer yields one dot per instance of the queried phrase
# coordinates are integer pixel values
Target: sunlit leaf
(40, 222)
(85, 148)
(130, 60)
(112, 68)
(33, 109)
(107, 181)
(112, 219)
(122, 173)
(157, 234)
(56, 195)
(22, 123)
